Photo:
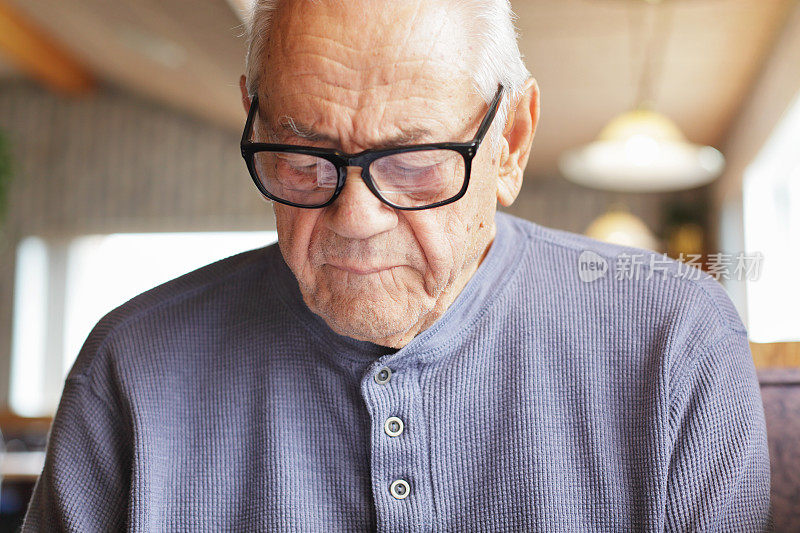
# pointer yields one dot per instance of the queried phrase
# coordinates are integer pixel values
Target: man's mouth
(359, 269)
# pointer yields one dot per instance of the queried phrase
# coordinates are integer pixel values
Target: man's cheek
(295, 231)
(447, 245)
(439, 265)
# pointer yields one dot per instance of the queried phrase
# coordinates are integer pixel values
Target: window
(63, 288)
(771, 199)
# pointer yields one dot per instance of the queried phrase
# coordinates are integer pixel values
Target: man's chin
(366, 319)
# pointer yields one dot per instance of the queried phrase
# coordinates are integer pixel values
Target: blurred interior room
(672, 126)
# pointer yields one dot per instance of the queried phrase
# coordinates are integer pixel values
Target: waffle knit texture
(537, 402)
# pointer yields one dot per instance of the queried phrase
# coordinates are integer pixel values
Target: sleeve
(85, 481)
(719, 477)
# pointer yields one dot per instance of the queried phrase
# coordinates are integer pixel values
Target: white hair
(490, 25)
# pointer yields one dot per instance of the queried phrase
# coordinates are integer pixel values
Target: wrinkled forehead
(364, 65)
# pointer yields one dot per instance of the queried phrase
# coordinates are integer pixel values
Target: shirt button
(393, 426)
(383, 376)
(399, 489)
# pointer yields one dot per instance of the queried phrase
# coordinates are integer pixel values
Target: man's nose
(357, 213)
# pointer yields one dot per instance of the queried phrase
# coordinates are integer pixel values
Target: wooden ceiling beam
(40, 56)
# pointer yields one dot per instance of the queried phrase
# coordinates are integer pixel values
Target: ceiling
(586, 55)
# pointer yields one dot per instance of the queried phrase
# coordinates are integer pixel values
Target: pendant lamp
(642, 150)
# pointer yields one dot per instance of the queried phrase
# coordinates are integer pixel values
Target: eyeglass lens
(408, 179)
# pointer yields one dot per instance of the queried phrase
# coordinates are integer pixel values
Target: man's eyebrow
(296, 129)
(302, 131)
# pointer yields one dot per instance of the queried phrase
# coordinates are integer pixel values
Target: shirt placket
(400, 462)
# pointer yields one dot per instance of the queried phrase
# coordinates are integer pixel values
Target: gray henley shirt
(541, 401)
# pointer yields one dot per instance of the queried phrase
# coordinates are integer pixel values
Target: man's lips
(360, 269)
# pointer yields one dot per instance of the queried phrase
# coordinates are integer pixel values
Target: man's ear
(517, 140)
(245, 96)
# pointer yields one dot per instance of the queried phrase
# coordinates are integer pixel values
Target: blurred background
(672, 126)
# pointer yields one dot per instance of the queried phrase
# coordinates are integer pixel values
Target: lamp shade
(641, 151)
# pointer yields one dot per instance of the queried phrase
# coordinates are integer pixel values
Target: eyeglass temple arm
(250, 118)
(487, 120)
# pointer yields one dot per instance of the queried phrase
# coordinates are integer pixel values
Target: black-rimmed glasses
(411, 177)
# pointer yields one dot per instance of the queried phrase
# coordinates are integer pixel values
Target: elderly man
(406, 359)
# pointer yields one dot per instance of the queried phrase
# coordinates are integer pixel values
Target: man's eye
(417, 165)
(406, 167)
(415, 170)
(300, 163)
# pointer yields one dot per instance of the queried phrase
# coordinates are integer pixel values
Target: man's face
(362, 74)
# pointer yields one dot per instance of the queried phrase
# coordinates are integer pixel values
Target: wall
(556, 202)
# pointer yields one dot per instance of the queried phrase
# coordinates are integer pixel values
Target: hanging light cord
(654, 25)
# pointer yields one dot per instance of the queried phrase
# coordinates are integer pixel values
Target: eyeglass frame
(342, 160)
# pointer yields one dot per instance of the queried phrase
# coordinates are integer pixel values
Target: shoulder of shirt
(701, 290)
(185, 288)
